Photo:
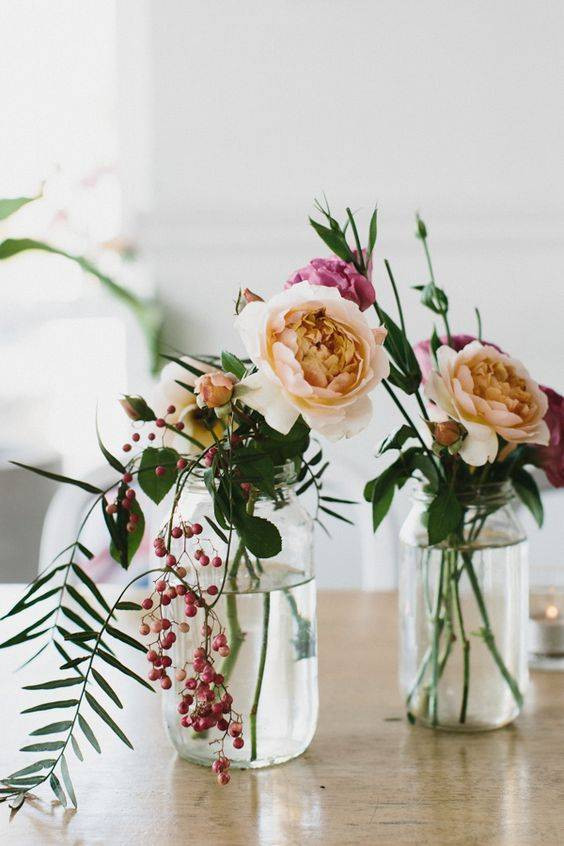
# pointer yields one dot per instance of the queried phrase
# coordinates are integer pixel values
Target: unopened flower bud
(251, 297)
(448, 432)
(214, 390)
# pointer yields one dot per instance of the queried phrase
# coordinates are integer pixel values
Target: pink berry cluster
(160, 423)
(124, 500)
(205, 702)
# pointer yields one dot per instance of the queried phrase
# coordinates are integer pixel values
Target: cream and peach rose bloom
(168, 392)
(490, 394)
(316, 356)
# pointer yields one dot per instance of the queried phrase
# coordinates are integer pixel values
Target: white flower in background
(316, 356)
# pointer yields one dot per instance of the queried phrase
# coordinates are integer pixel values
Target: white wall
(256, 107)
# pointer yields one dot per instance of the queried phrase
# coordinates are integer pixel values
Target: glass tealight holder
(546, 625)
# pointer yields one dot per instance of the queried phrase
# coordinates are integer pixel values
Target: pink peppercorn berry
(160, 470)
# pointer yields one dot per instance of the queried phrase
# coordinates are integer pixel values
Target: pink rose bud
(129, 410)
(214, 389)
(448, 432)
(336, 273)
(251, 297)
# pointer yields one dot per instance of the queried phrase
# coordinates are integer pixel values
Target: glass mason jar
(463, 607)
(268, 609)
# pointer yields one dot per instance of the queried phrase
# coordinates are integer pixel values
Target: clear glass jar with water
(268, 608)
(463, 608)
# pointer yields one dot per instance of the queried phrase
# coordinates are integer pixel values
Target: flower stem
(258, 688)
(465, 647)
(487, 631)
(433, 697)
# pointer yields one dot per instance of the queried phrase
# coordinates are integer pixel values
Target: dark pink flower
(335, 273)
(551, 457)
(422, 351)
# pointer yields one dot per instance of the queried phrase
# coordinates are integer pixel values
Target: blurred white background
(200, 132)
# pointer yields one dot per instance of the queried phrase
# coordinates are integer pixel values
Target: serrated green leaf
(103, 714)
(51, 685)
(52, 728)
(49, 706)
(156, 487)
(444, 516)
(106, 688)
(67, 780)
(47, 746)
(88, 733)
(260, 536)
(58, 790)
(76, 748)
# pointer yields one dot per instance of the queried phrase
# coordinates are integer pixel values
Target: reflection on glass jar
(463, 615)
(267, 609)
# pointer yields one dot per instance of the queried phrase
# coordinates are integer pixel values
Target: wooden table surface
(368, 777)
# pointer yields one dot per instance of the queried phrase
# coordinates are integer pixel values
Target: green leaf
(76, 748)
(156, 487)
(140, 408)
(49, 706)
(424, 464)
(14, 204)
(372, 232)
(336, 499)
(112, 461)
(221, 535)
(47, 746)
(33, 768)
(381, 505)
(52, 728)
(85, 551)
(74, 662)
(231, 364)
(106, 688)
(195, 371)
(528, 492)
(88, 733)
(67, 780)
(434, 345)
(58, 790)
(28, 633)
(51, 685)
(113, 662)
(130, 542)
(125, 638)
(16, 803)
(335, 240)
(128, 606)
(56, 477)
(336, 515)
(396, 439)
(80, 600)
(87, 581)
(444, 516)
(260, 536)
(107, 719)
(34, 587)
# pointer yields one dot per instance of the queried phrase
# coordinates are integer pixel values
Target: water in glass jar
(271, 671)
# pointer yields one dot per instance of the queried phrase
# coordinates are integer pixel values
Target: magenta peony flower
(551, 457)
(422, 351)
(335, 273)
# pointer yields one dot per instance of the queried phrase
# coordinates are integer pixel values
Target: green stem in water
(465, 648)
(433, 696)
(487, 631)
(260, 676)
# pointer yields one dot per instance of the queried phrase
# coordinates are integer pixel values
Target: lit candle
(546, 629)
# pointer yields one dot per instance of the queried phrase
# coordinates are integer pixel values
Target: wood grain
(368, 777)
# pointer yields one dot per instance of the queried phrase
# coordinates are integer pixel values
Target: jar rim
(488, 493)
